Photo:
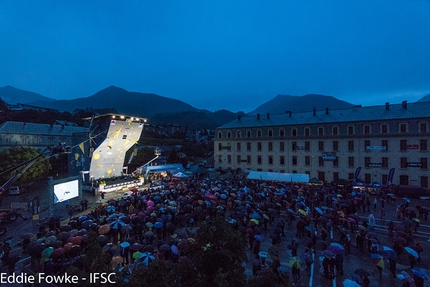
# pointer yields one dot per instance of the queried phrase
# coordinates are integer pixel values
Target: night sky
(216, 55)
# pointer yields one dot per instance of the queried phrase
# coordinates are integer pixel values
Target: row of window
(321, 131)
(404, 163)
(26, 140)
(403, 146)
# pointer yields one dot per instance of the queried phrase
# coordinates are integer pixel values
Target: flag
(81, 146)
(390, 176)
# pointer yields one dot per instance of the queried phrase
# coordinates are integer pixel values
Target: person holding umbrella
(392, 267)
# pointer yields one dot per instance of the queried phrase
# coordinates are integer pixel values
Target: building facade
(331, 144)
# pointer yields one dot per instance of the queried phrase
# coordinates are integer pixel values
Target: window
(384, 129)
(366, 144)
(384, 179)
(228, 147)
(367, 161)
(350, 175)
(320, 131)
(307, 146)
(229, 158)
(294, 160)
(335, 176)
(403, 145)
(367, 178)
(259, 133)
(423, 162)
(335, 131)
(248, 146)
(307, 132)
(248, 159)
(350, 130)
(321, 175)
(423, 127)
(281, 132)
(424, 181)
(238, 159)
(219, 146)
(228, 135)
(351, 161)
(294, 146)
(219, 135)
(404, 180)
(385, 144)
(384, 161)
(238, 134)
(282, 160)
(336, 162)
(270, 146)
(350, 145)
(270, 158)
(259, 146)
(423, 144)
(248, 134)
(307, 160)
(259, 159)
(294, 132)
(320, 145)
(366, 129)
(219, 158)
(335, 145)
(281, 146)
(320, 161)
(238, 146)
(403, 128)
(403, 162)
(270, 133)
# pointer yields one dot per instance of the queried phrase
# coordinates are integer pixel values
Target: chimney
(239, 117)
(326, 111)
(387, 106)
(404, 105)
(258, 116)
(288, 112)
(315, 111)
(268, 116)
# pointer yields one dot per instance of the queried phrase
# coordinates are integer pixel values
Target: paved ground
(316, 278)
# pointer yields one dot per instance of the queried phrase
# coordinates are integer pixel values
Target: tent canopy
(180, 175)
(173, 168)
(277, 176)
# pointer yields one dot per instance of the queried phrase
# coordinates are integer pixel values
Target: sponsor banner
(329, 156)
(375, 164)
(412, 146)
(376, 147)
(414, 164)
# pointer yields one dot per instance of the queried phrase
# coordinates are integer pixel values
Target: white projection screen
(66, 190)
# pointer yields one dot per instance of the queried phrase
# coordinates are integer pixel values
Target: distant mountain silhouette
(131, 103)
(282, 103)
(424, 99)
(15, 96)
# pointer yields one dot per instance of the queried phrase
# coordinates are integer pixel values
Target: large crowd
(157, 224)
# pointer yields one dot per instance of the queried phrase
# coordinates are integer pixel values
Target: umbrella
(255, 221)
(329, 254)
(110, 209)
(302, 212)
(136, 254)
(391, 254)
(324, 207)
(295, 263)
(319, 210)
(102, 239)
(406, 199)
(116, 260)
(350, 283)
(58, 252)
(76, 240)
(291, 211)
(336, 250)
(352, 220)
(104, 229)
(412, 252)
(149, 234)
(158, 224)
(174, 249)
(47, 252)
(378, 260)
(416, 220)
(418, 272)
(124, 244)
(136, 246)
(146, 258)
(340, 246)
(258, 237)
(116, 224)
(362, 272)
(149, 224)
(164, 248)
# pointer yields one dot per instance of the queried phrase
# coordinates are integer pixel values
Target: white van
(14, 190)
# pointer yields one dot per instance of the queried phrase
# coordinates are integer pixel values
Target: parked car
(15, 190)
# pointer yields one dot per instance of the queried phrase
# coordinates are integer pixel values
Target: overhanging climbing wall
(108, 158)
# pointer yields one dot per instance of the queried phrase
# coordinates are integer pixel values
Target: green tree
(16, 156)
